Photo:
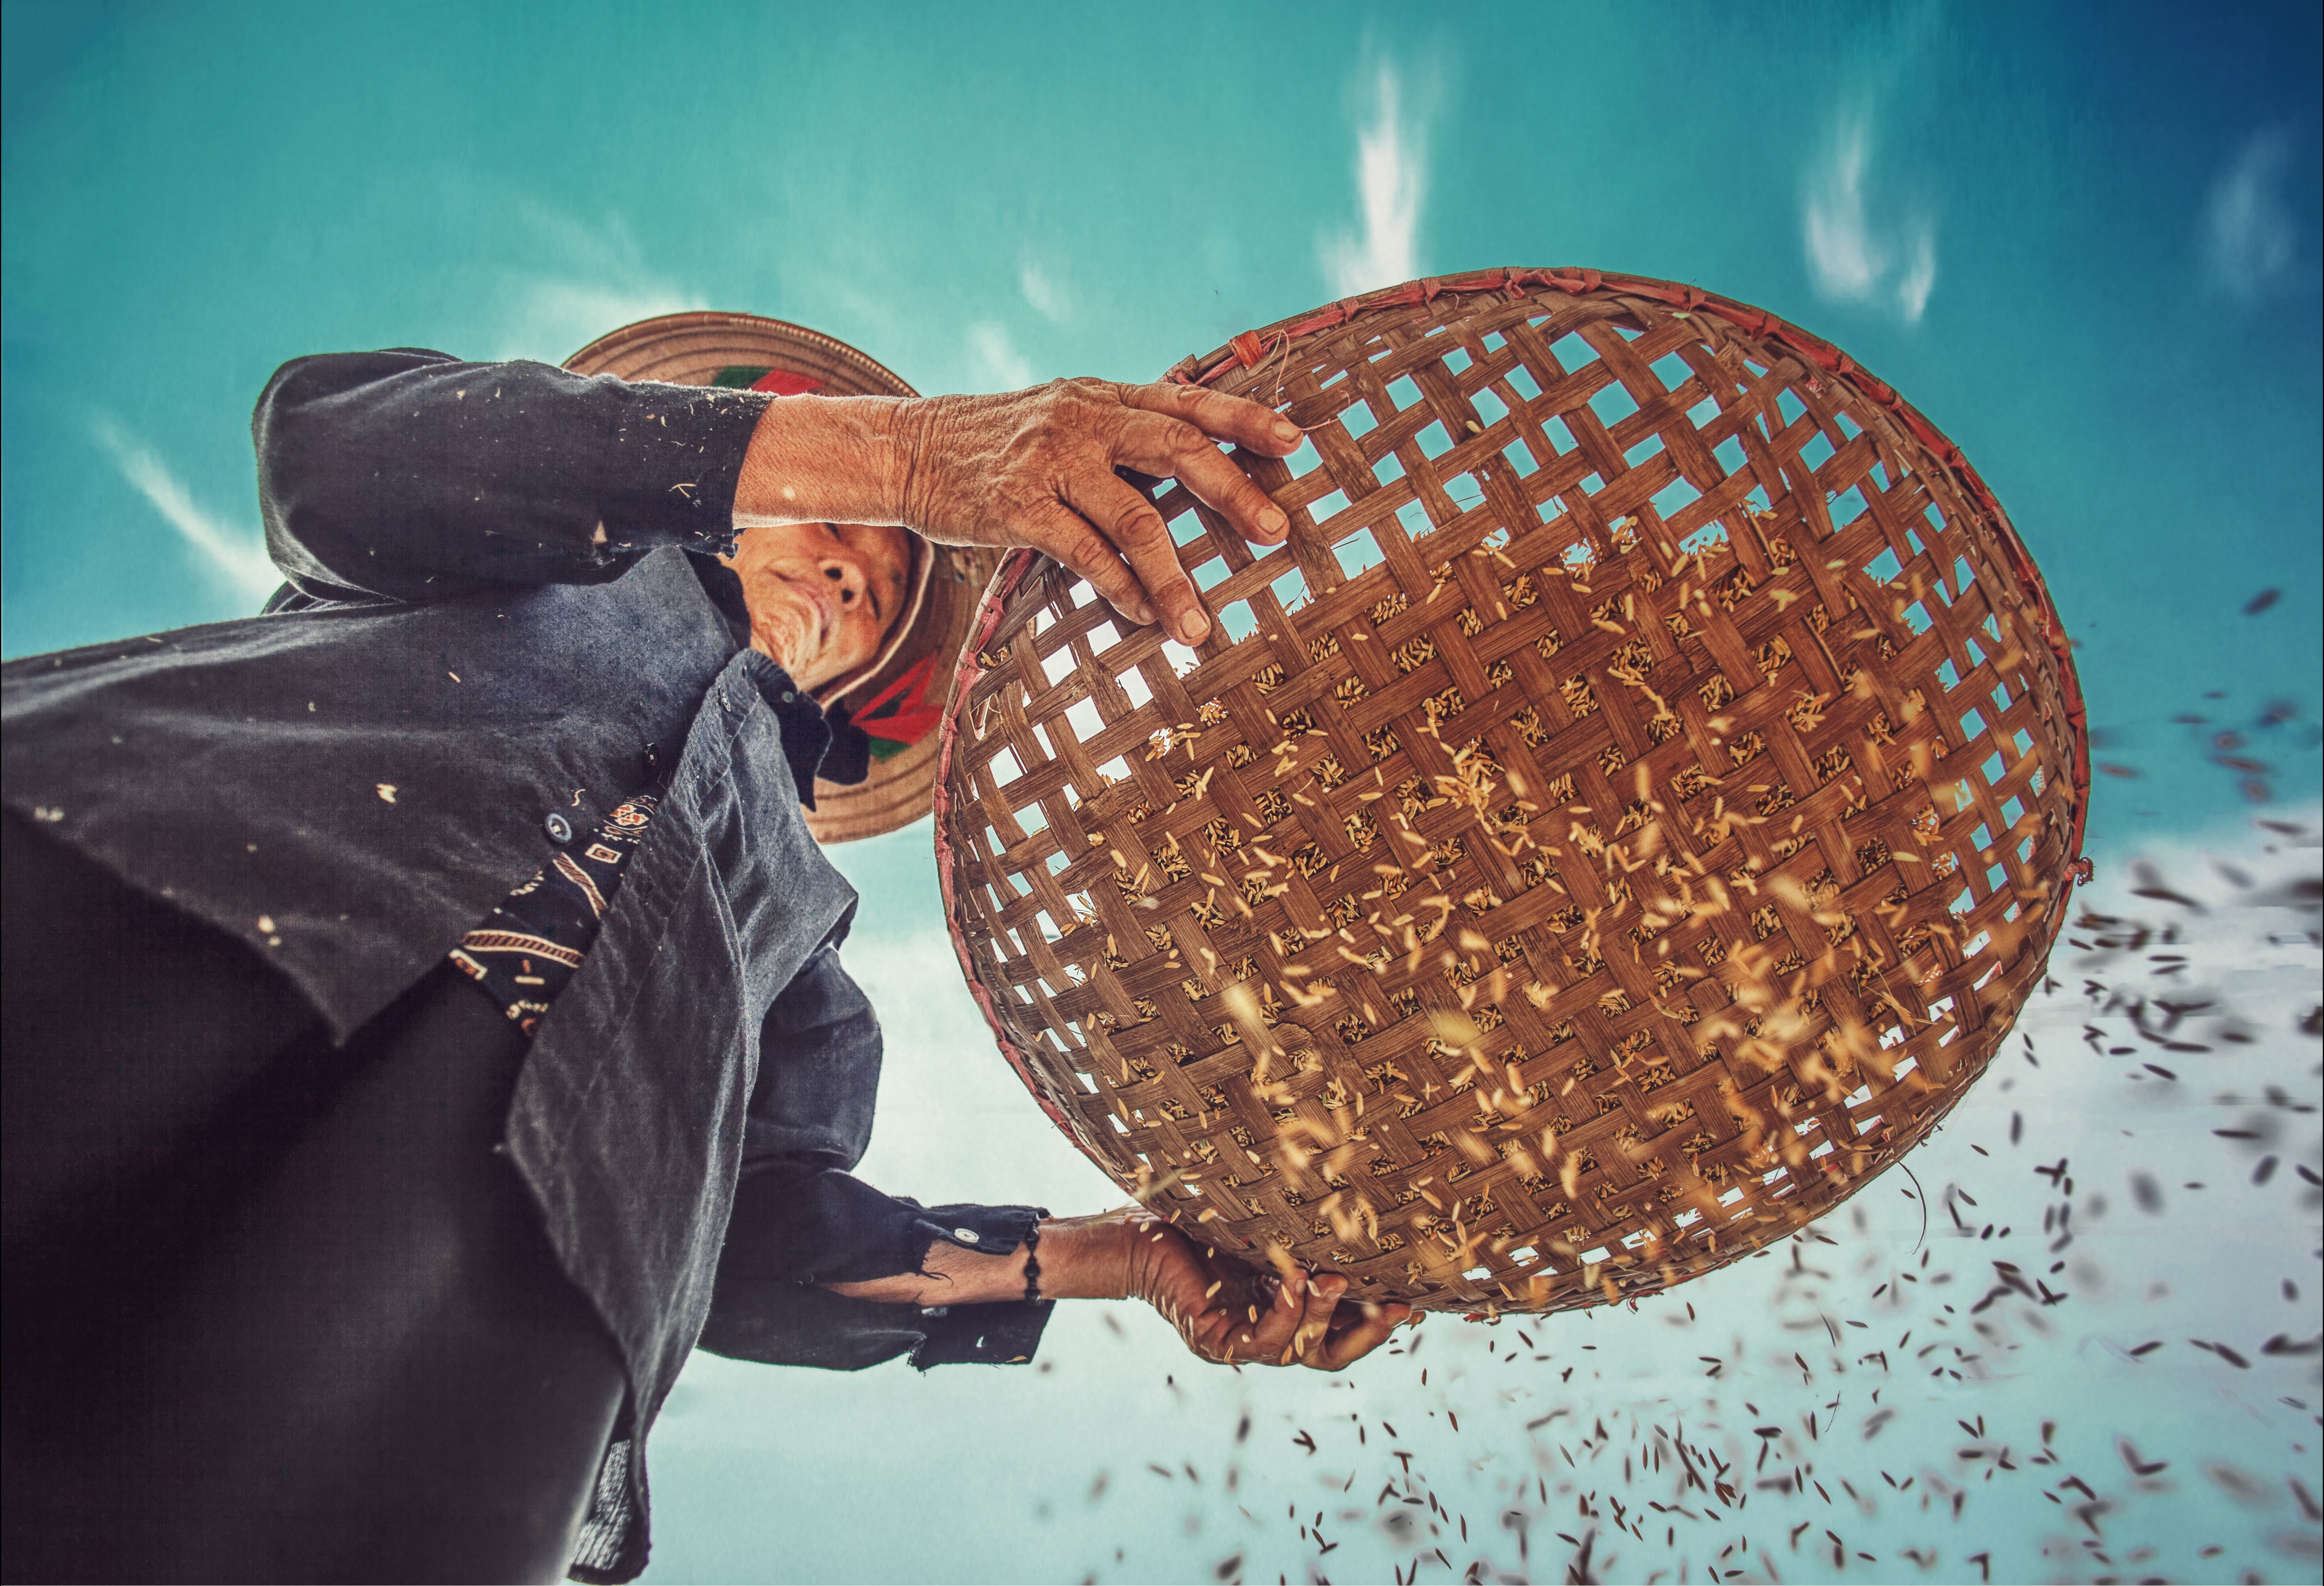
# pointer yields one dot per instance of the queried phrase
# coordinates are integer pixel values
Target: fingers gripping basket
(1620, 822)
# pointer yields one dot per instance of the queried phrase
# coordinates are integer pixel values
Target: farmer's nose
(846, 574)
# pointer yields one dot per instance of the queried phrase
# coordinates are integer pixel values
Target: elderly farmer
(424, 1016)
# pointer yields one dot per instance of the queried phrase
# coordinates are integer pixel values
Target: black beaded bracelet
(1032, 1264)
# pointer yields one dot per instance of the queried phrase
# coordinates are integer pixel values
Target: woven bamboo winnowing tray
(1623, 819)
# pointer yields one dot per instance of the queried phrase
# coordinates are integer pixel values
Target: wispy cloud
(600, 281)
(2250, 240)
(1855, 255)
(996, 354)
(551, 318)
(233, 553)
(1048, 297)
(1391, 186)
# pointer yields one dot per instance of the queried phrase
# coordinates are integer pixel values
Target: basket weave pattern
(1621, 820)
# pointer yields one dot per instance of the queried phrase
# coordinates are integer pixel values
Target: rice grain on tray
(1727, 782)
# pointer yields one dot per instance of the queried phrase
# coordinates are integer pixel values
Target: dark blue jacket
(492, 617)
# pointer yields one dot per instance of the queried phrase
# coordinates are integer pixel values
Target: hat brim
(698, 349)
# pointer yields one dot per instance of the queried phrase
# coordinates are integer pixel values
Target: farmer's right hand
(1228, 1312)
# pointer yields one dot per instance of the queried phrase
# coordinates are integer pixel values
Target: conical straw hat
(900, 697)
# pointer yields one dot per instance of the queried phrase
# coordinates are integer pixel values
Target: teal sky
(2084, 239)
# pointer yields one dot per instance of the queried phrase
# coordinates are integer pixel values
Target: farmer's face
(822, 595)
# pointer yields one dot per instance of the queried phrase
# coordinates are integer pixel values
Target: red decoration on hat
(901, 714)
(783, 383)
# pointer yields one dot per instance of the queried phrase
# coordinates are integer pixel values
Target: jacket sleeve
(411, 475)
(801, 1219)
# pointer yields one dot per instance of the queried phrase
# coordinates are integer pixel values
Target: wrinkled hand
(1036, 467)
(1032, 467)
(1229, 1314)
